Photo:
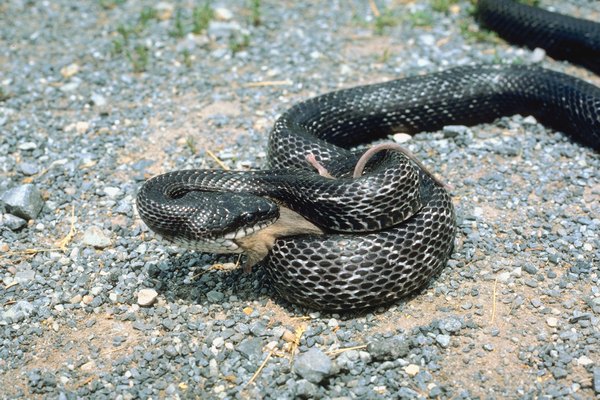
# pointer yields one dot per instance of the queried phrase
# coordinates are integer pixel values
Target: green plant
(190, 143)
(187, 58)
(385, 56)
(474, 33)
(442, 5)
(139, 57)
(3, 95)
(201, 17)
(255, 16)
(383, 20)
(146, 15)
(421, 18)
(110, 4)
(237, 44)
(178, 29)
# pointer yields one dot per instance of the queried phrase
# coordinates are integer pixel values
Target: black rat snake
(350, 243)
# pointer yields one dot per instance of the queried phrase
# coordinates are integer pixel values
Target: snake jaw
(257, 245)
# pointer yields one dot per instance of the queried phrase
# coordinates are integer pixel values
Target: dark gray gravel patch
(86, 130)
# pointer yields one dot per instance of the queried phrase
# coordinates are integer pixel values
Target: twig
(260, 368)
(494, 292)
(286, 82)
(374, 8)
(217, 160)
(338, 351)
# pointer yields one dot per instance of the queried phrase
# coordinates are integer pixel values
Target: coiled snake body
(350, 243)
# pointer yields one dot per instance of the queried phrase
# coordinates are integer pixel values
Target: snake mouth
(224, 243)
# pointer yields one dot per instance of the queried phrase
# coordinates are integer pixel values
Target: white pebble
(146, 297)
(412, 369)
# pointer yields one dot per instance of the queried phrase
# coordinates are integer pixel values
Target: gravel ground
(99, 95)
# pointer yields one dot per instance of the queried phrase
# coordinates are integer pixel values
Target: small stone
(87, 299)
(95, 237)
(214, 296)
(306, 389)
(23, 201)
(218, 342)
(530, 269)
(164, 10)
(389, 349)
(82, 127)
(69, 70)
(289, 336)
(314, 365)
(584, 361)
(27, 146)
(401, 137)
(552, 322)
(29, 169)
(503, 277)
(451, 324)
(112, 191)
(412, 369)
(146, 297)
(12, 222)
(88, 366)
(559, 373)
(537, 55)
(443, 340)
(75, 299)
(596, 374)
(223, 14)
(250, 348)
(451, 131)
(24, 274)
(18, 311)
(427, 39)
(98, 100)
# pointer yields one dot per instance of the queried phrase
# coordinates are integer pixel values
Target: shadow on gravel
(198, 279)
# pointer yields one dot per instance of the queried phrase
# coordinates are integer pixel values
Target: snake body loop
(357, 243)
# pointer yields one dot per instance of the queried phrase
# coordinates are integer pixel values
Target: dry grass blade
(286, 82)
(217, 160)
(64, 242)
(338, 351)
(494, 294)
(260, 368)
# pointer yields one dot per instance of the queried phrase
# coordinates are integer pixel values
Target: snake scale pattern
(352, 243)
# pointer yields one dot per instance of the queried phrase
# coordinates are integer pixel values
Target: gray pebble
(23, 201)
(306, 389)
(389, 349)
(450, 325)
(29, 168)
(314, 365)
(95, 237)
(443, 340)
(251, 348)
(12, 222)
(214, 296)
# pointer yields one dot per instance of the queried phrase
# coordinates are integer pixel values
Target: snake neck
(290, 223)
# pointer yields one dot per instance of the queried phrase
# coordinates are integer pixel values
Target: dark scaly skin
(562, 36)
(346, 271)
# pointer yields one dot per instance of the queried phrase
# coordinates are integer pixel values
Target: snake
(332, 236)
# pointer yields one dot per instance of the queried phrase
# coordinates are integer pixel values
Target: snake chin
(258, 244)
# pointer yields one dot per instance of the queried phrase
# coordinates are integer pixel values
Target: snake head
(208, 221)
(217, 221)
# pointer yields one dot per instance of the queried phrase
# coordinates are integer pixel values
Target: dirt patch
(78, 353)
(196, 132)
